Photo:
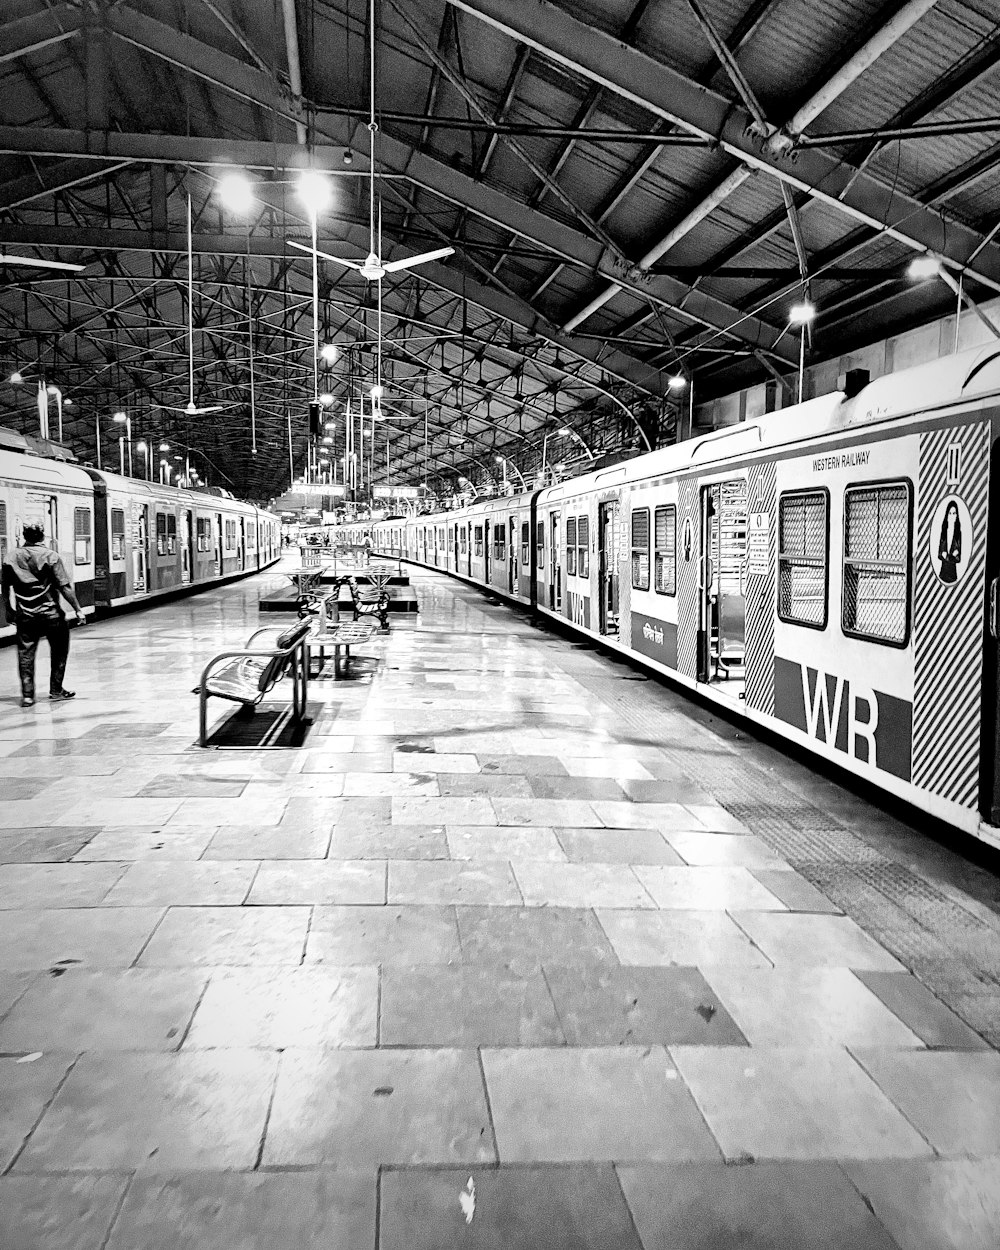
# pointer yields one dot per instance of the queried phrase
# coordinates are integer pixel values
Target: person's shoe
(56, 695)
(26, 702)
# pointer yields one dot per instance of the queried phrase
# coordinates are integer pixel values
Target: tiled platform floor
(518, 951)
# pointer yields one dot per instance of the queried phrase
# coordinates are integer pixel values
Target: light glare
(236, 192)
(801, 314)
(314, 191)
(925, 266)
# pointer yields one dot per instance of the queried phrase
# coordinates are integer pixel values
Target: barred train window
(451, 539)
(3, 530)
(540, 546)
(499, 542)
(571, 546)
(161, 534)
(117, 534)
(665, 547)
(877, 563)
(81, 535)
(463, 539)
(583, 539)
(172, 535)
(640, 549)
(525, 542)
(802, 558)
(478, 540)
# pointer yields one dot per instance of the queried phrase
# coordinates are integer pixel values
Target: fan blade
(167, 408)
(393, 266)
(340, 260)
(7, 258)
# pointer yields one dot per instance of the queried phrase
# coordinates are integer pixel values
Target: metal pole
(128, 436)
(802, 358)
(291, 462)
(59, 409)
(312, 224)
(97, 435)
(121, 455)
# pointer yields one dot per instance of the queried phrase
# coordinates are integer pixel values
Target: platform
(518, 950)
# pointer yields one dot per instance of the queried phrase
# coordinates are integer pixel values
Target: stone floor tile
(434, 762)
(716, 818)
(794, 1103)
(29, 886)
(26, 1088)
(191, 786)
(794, 890)
(469, 1005)
(463, 811)
(506, 842)
(388, 842)
(347, 761)
(37, 846)
(622, 770)
(815, 941)
(484, 785)
(630, 815)
(684, 938)
(228, 935)
(145, 1112)
(383, 935)
(671, 789)
(706, 889)
(547, 812)
(120, 843)
(12, 986)
(254, 1211)
(723, 849)
(58, 1212)
(585, 788)
(612, 1006)
(792, 1006)
(935, 1024)
(362, 1108)
(942, 1204)
(622, 1104)
(218, 812)
(523, 938)
(121, 811)
(447, 882)
(181, 883)
(102, 937)
(516, 1208)
(525, 765)
(950, 1096)
(580, 885)
(617, 846)
(287, 1008)
(267, 842)
(319, 881)
(769, 1206)
(415, 784)
(119, 1009)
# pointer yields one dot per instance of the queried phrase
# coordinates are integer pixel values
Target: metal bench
(246, 675)
(339, 636)
(373, 601)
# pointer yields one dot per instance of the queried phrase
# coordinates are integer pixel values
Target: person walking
(34, 580)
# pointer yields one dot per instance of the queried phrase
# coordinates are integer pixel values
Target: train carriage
(829, 571)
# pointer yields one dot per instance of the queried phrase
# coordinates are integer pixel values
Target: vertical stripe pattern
(687, 578)
(760, 602)
(948, 620)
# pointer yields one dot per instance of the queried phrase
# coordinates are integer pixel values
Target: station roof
(635, 190)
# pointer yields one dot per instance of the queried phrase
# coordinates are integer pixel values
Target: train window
(540, 546)
(525, 541)
(81, 535)
(583, 538)
(640, 549)
(172, 535)
(478, 541)
(117, 534)
(499, 542)
(3, 530)
(665, 550)
(463, 540)
(803, 545)
(451, 539)
(161, 534)
(571, 546)
(877, 563)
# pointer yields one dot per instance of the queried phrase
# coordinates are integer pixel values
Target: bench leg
(202, 717)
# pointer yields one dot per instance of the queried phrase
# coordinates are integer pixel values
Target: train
(124, 540)
(828, 571)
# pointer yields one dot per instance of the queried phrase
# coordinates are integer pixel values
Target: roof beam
(635, 76)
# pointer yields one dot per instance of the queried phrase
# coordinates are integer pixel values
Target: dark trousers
(30, 631)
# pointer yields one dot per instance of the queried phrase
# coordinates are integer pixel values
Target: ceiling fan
(373, 268)
(8, 258)
(191, 409)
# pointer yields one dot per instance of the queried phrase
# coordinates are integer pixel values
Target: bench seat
(248, 674)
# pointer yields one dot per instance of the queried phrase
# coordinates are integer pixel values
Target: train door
(187, 548)
(607, 539)
(555, 564)
(219, 549)
(140, 551)
(455, 540)
(722, 583)
(486, 551)
(243, 543)
(512, 557)
(52, 521)
(469, 531)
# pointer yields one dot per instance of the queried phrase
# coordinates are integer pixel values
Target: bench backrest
(274, 669)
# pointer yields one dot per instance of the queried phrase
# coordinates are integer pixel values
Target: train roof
(39, 471)
(203, 498)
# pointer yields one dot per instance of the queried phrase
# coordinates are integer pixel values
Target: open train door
(555, 567)
(512, 557)
(140, 550)
(607, 540)
(722, 582)
(187, 547)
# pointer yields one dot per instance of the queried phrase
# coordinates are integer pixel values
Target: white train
(828, 571)
(124, 540)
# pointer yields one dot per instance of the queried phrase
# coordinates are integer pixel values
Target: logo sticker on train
(578, 608)
(870, 726)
